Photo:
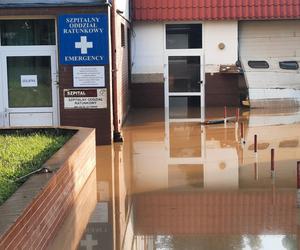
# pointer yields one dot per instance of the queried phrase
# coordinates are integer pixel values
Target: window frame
(184, 23)
(249, 62)
(123, 37)
(22, 18)
(281, 63)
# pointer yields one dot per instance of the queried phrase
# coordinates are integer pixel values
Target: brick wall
(100, 119)
(30, 218)
(147, 95)
(220, 90)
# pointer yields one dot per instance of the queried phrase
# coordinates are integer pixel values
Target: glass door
(184, 107)
(184, 87)
(30, 89)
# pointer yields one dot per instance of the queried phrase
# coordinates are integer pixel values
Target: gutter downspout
(117, 137)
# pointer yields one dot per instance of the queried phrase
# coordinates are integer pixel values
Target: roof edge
(45, 4)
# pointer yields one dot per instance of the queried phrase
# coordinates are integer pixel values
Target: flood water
(184, 186)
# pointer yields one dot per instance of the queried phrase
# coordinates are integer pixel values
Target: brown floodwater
(176, 185)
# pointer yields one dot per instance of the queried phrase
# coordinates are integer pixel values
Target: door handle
(200, 82)
(6, 113)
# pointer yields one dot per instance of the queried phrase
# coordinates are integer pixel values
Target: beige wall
(122, 68)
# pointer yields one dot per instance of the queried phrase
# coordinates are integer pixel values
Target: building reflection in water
(180, 185)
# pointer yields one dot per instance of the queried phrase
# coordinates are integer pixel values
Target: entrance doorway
(184, 73)
(28, 81)
(184, 86)
(29, 88)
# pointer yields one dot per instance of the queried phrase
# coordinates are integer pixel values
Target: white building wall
(272, 41)
(220, 32)
(148, 44)
(123, 5)
(148, 48)
(221, 168)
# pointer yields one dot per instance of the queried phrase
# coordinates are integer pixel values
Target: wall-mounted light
(221, 46)
(222, 165)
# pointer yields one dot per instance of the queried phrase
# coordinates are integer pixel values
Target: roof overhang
(52, 3)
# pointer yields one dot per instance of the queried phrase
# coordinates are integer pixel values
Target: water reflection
(74, 225)
(100, 231)
(245, 242)
(180, 185)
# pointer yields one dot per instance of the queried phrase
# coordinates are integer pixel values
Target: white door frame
(16, 51)
(200, 159)
(201, 94)
(2, 109)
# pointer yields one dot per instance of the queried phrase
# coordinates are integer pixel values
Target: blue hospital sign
(83, 39)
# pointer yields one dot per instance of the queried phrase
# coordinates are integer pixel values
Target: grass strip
(24, 151)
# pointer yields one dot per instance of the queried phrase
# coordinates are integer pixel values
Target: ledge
(30, 217)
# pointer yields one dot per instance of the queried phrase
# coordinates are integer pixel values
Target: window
(290, 65)
(184, 74)
(258, 64)
(184, 36)
(34, 96)
(185, 107)
(122, 35)
(27, 32)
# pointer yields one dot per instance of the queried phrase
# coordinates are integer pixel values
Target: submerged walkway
(174, 185)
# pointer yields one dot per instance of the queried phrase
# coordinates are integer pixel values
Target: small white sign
(85, 98)
(88, 76)
(100, 214)
(28, 81)
(103, 190)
